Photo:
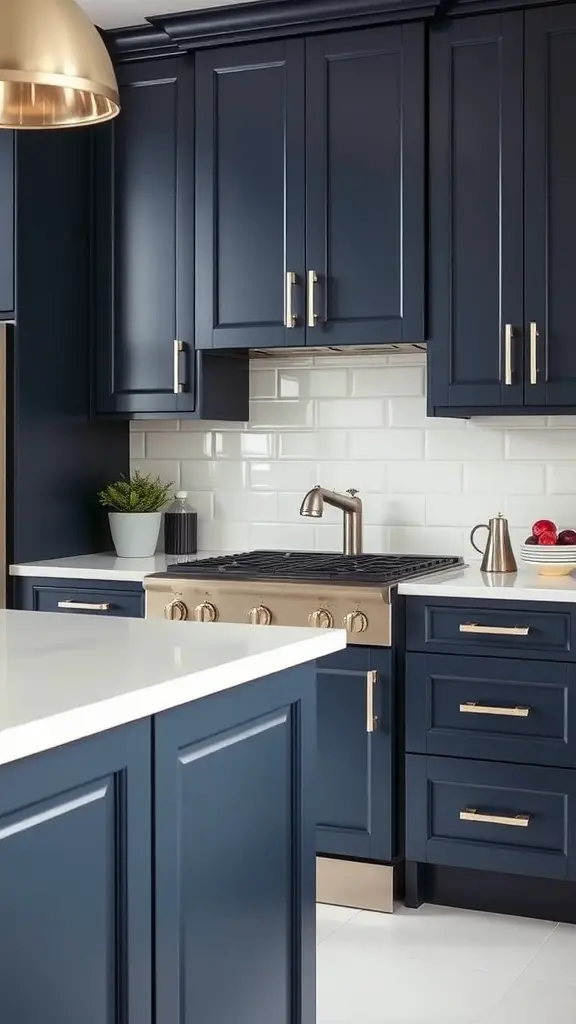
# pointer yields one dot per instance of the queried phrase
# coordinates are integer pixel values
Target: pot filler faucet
(313, 506)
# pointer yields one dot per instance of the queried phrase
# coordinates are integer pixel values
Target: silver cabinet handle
(473, 627)
(508, 336)
(371, 718)
(533, 353)
(178, 349)
(84, 606)
(312, 282)
(472, 708)
(472, 814)
(291, 318)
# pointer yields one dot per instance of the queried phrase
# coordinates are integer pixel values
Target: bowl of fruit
(551, 551)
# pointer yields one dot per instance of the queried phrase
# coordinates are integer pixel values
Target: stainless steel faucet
(313, 505)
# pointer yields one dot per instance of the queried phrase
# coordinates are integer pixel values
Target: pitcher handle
(481, 526)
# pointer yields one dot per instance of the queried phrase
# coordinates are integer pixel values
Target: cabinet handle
(473, 627)
(84, 606)
(472, 708)
(508, 336)
(312, 282)
(371, 718)
(533, 353)
(178, 349)
(471, 814)
(291, 318)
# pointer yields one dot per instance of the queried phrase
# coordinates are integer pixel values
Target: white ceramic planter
(135, 534)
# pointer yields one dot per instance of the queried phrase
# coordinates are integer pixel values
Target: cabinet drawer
(504, 628)
(496, 817)
(75, 600)
(491, 708)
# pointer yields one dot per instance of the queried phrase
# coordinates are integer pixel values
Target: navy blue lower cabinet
(89, 597)
(508, 818)
(234, 855)
(491, 708)
(75, 892)
(355, 763)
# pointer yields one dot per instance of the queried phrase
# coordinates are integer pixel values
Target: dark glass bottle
(180, 527)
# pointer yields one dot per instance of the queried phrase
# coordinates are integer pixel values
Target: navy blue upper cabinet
(355, 760)
(250, 196)
(550, 172)
(365, 186)
(145, 265)
(310, 191)
(7, 225)
(476, 213)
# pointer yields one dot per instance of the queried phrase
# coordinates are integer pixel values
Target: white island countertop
(468, 582)
(65, 677)
(104, 566)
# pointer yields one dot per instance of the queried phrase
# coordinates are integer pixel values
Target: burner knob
(355, 622)
(176, 610)
(206, 612)
(260, 616)
(321, 618)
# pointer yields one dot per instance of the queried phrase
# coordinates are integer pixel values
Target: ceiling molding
(140, 42)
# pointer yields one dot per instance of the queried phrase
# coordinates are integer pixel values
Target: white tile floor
(441, 966)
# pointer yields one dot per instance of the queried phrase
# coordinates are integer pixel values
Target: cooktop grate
(312, 566)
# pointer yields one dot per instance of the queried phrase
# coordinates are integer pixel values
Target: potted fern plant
(136, 503)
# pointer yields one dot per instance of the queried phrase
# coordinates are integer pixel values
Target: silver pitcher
(498, 553)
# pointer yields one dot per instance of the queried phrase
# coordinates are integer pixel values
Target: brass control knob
(355, 622)
(321, 618)
(260, 616)
(206, 612)
(176, 610)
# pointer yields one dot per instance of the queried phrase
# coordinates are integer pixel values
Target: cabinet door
(365, 186)
(235, 867)
(355, 770)
(250, 195)
(145, 268)
(550, 210)
(75, 898)
(7, 226)
(476, 213)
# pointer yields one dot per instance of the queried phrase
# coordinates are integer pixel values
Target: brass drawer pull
(291, 318)
(473, 627)
(84, 606)
(508, 354)
(533, 353)
(371, 718)
(312, 282)
(472, 708)
(519, 820)
(178, 349)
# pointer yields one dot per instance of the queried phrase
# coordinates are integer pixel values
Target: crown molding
(139, 43)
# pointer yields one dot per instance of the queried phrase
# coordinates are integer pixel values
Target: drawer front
(502, 628)
(491, 708)
(75, 601)
(492, 816)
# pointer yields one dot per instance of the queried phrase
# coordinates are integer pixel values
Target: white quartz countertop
(64, 677)
(468, 581)
(105, 566)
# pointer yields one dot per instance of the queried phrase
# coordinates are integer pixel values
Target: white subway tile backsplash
(359, 420)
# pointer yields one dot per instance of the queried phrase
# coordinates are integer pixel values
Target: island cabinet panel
(79, 597)
(75, 889)
(355, 763)
(234, 855)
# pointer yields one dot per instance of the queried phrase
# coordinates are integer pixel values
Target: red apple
(543, 526)
(531, 540)
(567, 537)
(548, 537)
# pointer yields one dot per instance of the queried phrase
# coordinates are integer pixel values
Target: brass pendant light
(55, 71)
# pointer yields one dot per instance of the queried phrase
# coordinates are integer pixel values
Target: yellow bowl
(555, 570)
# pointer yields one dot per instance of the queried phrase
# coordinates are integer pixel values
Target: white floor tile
(555, 961)
(329, 919)
(544, 1004)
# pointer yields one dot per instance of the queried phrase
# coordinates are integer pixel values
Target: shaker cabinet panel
(476, 211)
(250, 195)
(550, 210)
(7, 225)
(365, 186)
(145, 265)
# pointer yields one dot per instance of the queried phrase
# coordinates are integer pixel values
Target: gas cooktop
(311, 566)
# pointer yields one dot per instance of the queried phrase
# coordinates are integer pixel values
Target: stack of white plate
(550, 559)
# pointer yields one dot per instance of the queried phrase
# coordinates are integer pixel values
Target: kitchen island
(157, 821)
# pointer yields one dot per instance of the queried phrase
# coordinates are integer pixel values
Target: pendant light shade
(55, 71)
